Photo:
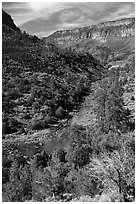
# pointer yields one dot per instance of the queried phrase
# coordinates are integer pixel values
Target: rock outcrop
(100, 32)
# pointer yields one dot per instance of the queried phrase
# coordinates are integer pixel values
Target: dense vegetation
(95, 162)
(42, 85)
(44, 82)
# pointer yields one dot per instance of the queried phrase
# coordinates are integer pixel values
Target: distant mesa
(100, 32)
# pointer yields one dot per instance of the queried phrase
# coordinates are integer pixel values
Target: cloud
(20, 12)
(43, 18)
(69, 15)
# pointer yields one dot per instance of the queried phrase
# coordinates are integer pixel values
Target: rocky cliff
(100, 32)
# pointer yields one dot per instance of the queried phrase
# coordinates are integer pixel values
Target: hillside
(42, 78)
(68, 115)
(112, 43)
(100, 32)
(8, 21)
(102, 40)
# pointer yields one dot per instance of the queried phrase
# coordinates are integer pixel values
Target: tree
(100, 109)
(79, 147)
(116, 169)
(36, 124)
(47, 120)
(110, 110)
(48, 182)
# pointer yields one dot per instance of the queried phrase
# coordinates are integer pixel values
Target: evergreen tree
(110, 111)
(100, 98)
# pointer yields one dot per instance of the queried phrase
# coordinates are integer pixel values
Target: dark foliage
(111, 112)
(37, 76)
(42, 84)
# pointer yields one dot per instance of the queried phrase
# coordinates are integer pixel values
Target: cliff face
(100, 32)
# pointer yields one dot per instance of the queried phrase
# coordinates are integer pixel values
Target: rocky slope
(8, 21)
(105, 41)
(111, 41)
(114, 40)
(38, 80)
(45, 150)
(100, 32)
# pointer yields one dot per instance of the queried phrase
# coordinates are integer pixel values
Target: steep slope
(11, 34)
(44, 153)
(8, 21)
(116, 50)
(36, 75)
(42, 83)
(86, 115)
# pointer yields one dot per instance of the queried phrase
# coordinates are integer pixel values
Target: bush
(36, 125)
(11, 125)
(60, 112)
(132, 98)
(47, 119)
(79, 146)
(27, 116)
(5, 128)
(51, 183)
(19, 187)
(82, 182)
(14, 94)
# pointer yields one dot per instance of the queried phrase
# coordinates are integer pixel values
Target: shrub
(47, 119)
(27, 116)
(11, 125)
(42, 160)
(47, 183)
(132, 98)
(79, 146)
(14, 94)
(36, 125)
(60, 112)
(5, 128)
(82, 182)
(19, 187)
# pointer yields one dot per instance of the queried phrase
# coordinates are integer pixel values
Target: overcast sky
(44, 18)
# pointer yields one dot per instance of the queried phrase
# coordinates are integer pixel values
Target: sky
(44, 18)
